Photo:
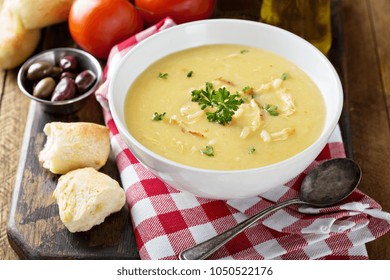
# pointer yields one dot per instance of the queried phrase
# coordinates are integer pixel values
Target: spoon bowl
(326, 185)
(330, 182)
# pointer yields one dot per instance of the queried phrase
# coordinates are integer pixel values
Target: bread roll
(74, 145)
(16, 43)
(20, 24)
(86, 197)
(41, 13)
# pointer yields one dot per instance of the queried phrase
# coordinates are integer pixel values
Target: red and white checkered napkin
(167, 221)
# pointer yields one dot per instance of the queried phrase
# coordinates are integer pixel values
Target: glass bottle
(241, 9)
(310, 19)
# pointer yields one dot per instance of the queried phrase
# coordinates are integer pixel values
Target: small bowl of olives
(60, 79)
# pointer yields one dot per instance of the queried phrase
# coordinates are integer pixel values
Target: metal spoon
(325, 185)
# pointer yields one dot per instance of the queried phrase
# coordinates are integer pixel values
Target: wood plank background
(367, 64)
(13, 112)
(366, 77)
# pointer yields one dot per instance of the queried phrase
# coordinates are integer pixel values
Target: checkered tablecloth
(167, 221)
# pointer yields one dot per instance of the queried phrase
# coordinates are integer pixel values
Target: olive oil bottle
(309, 19)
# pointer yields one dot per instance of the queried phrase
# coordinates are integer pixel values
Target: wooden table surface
(366, 79)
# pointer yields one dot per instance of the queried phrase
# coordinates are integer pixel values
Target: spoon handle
(207, 248)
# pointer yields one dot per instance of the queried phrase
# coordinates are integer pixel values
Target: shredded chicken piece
(289, 107)
(265, 136)
(275, 84)
(277, 136)
(192, 132)
(226, 81)
(191, 112)
(155, 139)
(248, 116)
(174, 120)
(222, 83)
(245, 132)
(233, 55)
(180, 146)
(265, 86)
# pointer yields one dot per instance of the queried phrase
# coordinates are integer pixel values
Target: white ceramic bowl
(226, 184)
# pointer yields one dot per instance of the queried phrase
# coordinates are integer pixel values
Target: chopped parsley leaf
(163, 75)
(189, 74)
(208, 151)
(157, 116)
(271, 109)
(247, 90)
(284, 76)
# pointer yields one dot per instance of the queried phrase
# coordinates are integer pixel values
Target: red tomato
(98, 25)
(180, 10)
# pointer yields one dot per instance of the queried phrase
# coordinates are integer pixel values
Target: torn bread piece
(86, 197)
(74, 145)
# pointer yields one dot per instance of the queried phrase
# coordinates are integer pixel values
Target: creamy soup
(225, 107)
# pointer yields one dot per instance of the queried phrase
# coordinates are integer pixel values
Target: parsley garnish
(271, 109)
(157, 116)
(189, 74)
(208, 151)
(163, 75)
(221, 99)
(251, 150)
(284, 76)
(244, 51)
(247, 90)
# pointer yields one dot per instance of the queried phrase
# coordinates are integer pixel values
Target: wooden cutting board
(34, 228)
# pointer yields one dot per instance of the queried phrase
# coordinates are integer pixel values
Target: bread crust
(41, 13)
(16, 43)
(21, 22)
(74, 145)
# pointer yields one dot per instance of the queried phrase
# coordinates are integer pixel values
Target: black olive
(85, 80)
(69, 75)
(68, 63)
(55, 72)
(65, 89)
(39, 70)
(44, 88)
